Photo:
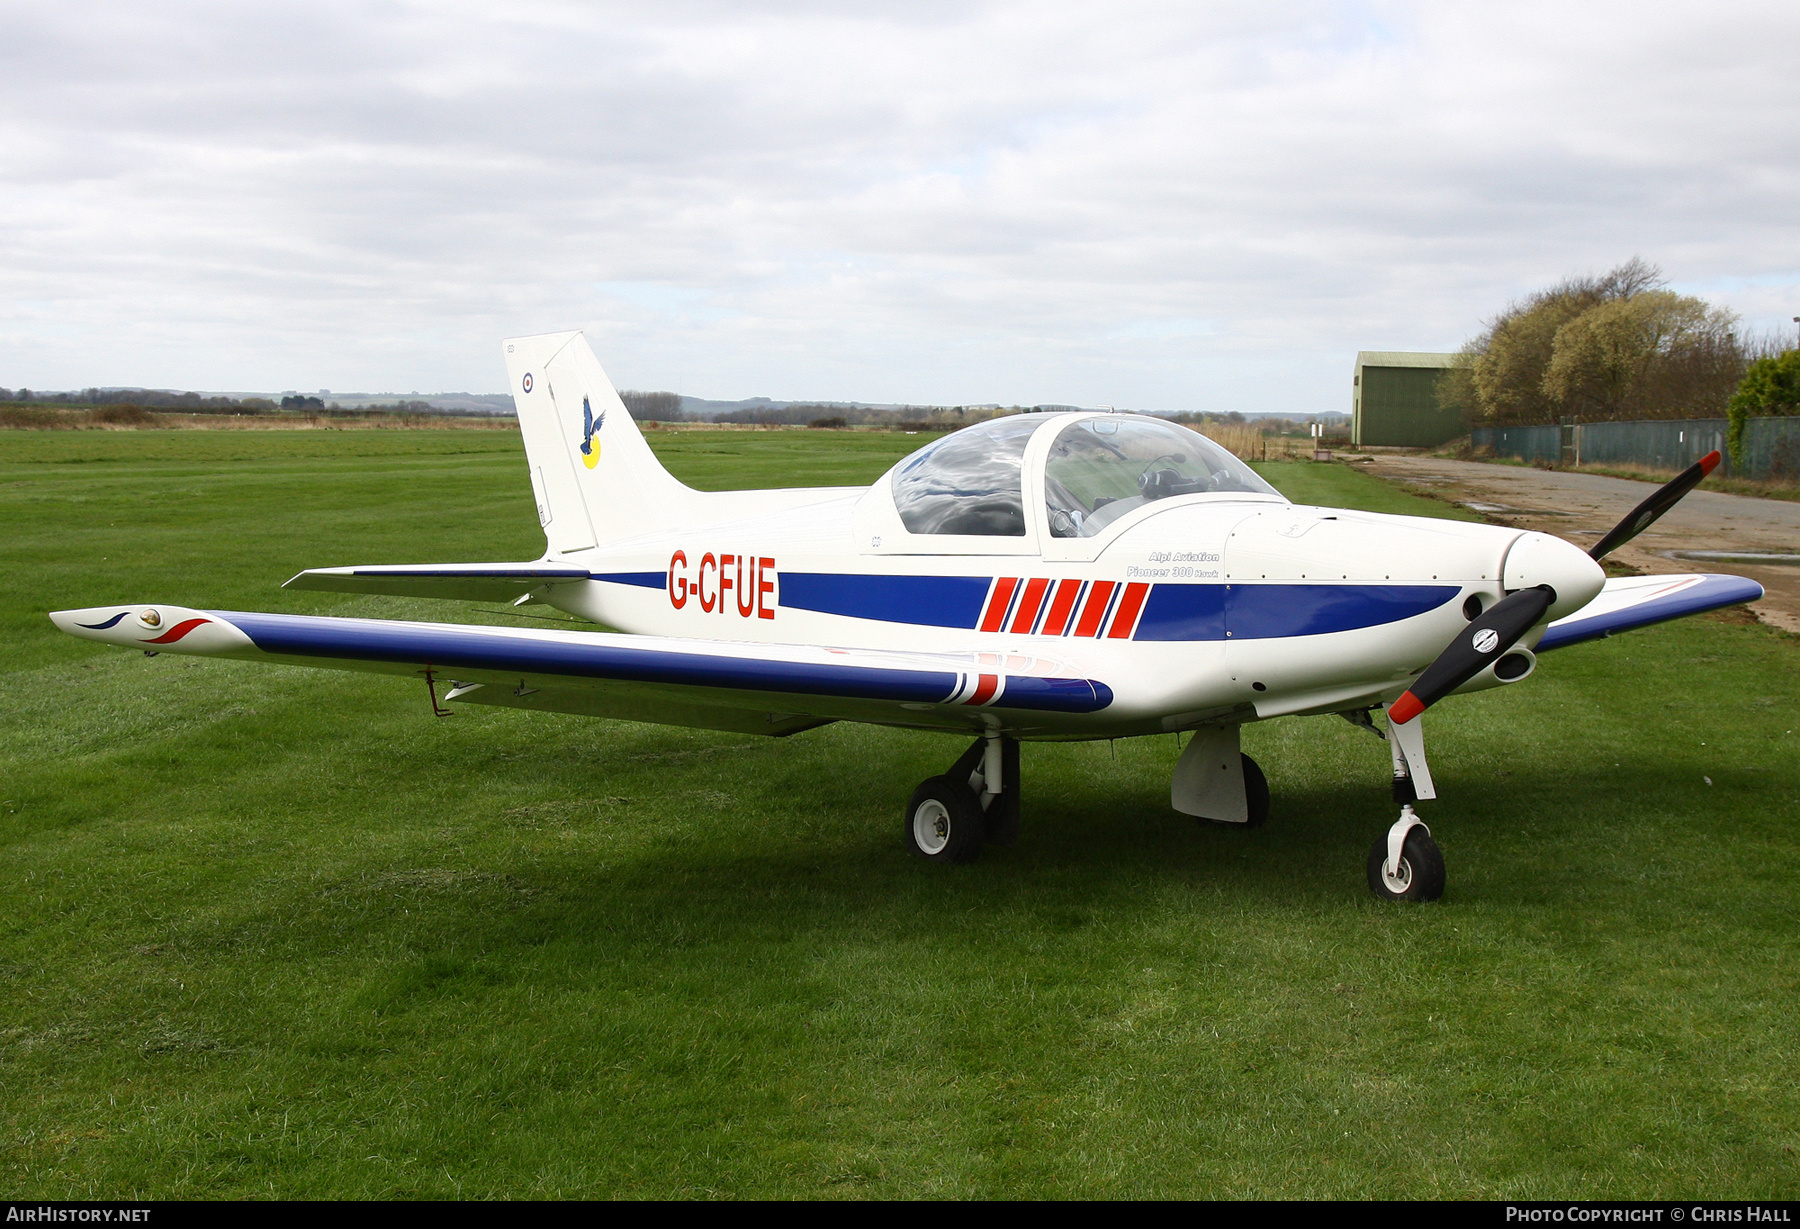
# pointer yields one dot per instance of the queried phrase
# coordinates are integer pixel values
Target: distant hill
(446, 403)
(645, 405)
(752, 409)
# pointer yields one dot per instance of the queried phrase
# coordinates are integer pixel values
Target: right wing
(759, 688)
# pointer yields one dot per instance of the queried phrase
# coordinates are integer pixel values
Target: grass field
(280, 932)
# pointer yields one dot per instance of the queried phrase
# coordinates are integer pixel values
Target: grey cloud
(917, 202)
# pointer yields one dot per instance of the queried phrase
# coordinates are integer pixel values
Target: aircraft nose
(1540, 559)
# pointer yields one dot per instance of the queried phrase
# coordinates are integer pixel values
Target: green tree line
(1617, 346)
(1769, 389)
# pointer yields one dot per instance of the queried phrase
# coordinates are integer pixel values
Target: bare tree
(652, 407)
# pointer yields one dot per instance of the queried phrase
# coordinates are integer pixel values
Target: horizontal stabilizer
(469, 582)
(1638, 601)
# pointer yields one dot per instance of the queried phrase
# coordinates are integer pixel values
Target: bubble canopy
(1101, 468)
(972, 483)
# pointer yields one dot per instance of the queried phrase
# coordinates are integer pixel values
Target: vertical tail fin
(595, 479)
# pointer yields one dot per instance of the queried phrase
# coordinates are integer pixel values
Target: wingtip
(64, 619)
(196, 631)
(90, 622)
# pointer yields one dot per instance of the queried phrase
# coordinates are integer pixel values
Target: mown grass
(280, 932)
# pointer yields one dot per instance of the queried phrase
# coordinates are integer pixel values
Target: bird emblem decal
(590, 434)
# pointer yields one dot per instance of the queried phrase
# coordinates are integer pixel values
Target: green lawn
(281, 932)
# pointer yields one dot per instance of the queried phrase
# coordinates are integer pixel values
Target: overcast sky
(1160, 206)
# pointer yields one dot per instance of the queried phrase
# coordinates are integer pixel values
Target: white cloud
(1150, 205)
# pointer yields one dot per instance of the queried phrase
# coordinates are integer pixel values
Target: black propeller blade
(1474, 649)
(1644, 515)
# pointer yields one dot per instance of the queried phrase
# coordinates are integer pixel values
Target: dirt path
(1581, 507)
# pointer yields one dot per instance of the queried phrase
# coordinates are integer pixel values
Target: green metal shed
(1395, 400)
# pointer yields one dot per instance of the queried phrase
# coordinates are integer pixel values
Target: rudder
(595, 479)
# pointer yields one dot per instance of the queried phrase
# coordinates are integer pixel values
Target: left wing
(771, 689)
(471, 582)
(1638, 601)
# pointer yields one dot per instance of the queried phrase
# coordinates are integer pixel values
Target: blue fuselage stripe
(1270, 611)
(643, 580)
(1171, 612)
(927, 601)
(484, 573)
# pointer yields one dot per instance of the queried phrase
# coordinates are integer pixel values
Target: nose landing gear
(1405, 864)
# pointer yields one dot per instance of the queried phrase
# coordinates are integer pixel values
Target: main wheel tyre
(1420, 875)
(1256, 794)
(944, 822)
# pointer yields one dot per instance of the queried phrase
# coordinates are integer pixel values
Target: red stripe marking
(1095, 610)
(1710, 462)
(1061, 607)
(1028, 605)
(1044, 608)
(985, 688)
(1129, 605)
(1405, 708)
(997, 604)
(177, 632)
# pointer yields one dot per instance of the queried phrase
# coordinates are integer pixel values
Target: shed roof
(1402, 358)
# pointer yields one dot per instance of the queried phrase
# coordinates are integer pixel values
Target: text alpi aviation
(1029, 578)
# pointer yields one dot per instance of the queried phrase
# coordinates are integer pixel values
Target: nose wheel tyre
(944, 822)
(1420, 875)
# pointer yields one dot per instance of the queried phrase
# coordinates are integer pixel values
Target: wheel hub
(931, 826)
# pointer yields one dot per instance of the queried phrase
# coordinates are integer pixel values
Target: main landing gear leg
(1405, 864)
(976, 802)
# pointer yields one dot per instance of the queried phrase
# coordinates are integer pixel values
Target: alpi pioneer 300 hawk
(1035, 577)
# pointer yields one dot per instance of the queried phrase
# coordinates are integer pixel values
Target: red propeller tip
(1710, 461)
(1405, 708)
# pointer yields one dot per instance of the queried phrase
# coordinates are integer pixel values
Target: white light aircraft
(1046, 576)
